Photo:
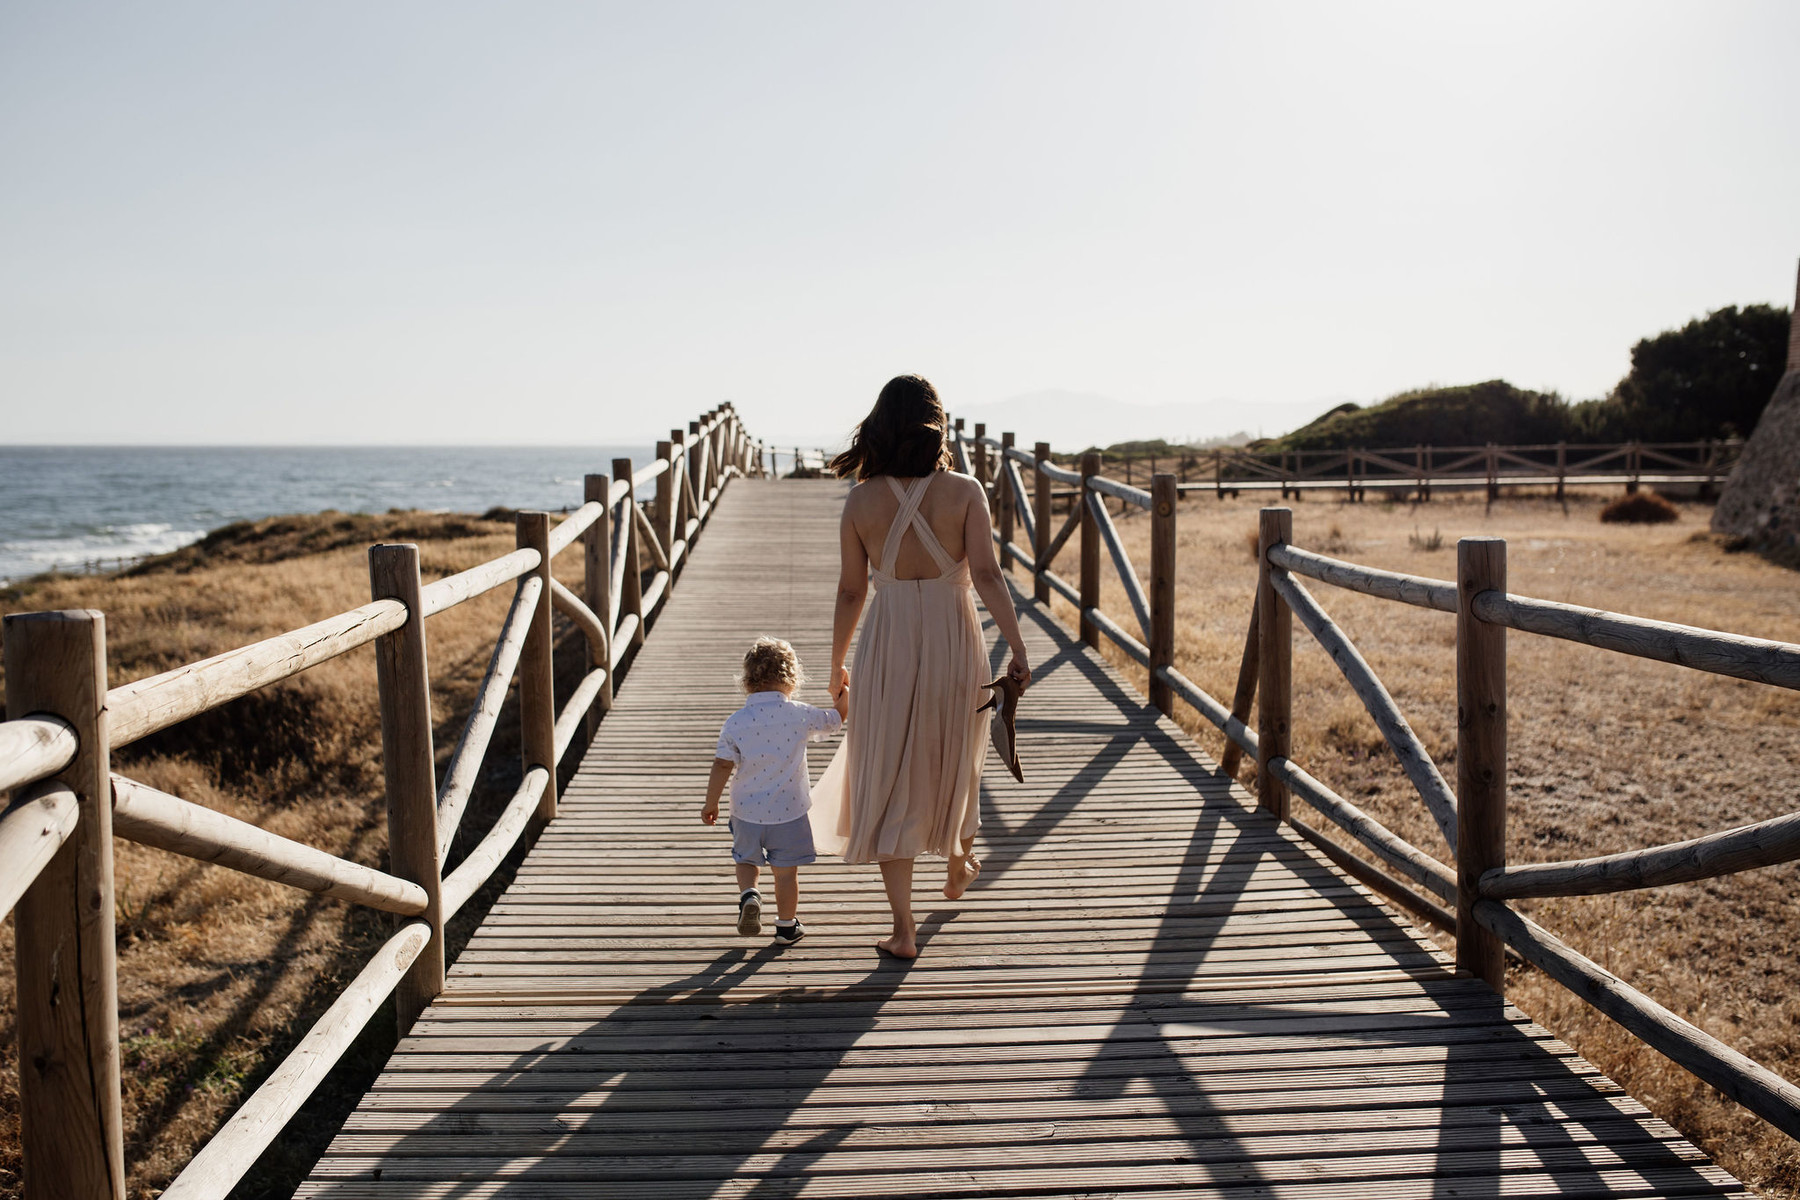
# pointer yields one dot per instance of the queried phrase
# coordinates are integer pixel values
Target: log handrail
(1062, 536)
(464, 766)
(466, 585)
(1746, 848)
(482, 861)
(32, 829)
(1128, 577)
(648, 534)
(575, 709)
(1021, 503)
(1416, 590)
(1228, 722)
(1135, 496)
(1433, 912)
(1759, 660)
(1387, 845)
(573, 607)
(1414, 759)
(159, 701)
(150, 817)
(573, 526)
(34, 748)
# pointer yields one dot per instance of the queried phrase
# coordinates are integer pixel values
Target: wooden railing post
(1428, 470)
(715, 457)
(537, 668)
(678, 460)
(408, 764)
(1480, 752)
(980, 464)
(1284, 475)
(697, 462)
(662, 508)
(596, 587)
(1493, 473)
(1090, 549)
(1004, 501)
(1562, 467)
(1633, 466)
(1164, 498)
(631, 591)
(1041, 498)
(72, 1131)
(1275, 648)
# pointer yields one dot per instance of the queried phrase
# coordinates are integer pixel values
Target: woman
(907, 780)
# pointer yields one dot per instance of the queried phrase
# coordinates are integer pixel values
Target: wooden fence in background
(1468, 897)
(1417, 471)
(67, 804)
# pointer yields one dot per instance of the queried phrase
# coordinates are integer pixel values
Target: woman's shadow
(678, 1083)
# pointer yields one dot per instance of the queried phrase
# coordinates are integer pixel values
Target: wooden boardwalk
(1152, 990)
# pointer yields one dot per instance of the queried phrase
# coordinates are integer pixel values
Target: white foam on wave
(105, 548)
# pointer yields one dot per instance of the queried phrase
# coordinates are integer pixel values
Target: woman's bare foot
(904, 943)
(959, 875)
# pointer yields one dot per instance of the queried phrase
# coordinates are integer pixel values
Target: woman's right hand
(1019, 671)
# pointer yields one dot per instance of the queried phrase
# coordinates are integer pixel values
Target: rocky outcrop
(1761, 501)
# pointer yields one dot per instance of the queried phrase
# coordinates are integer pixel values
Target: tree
(1710, 378)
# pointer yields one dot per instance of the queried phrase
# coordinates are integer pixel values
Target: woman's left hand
(839, 684)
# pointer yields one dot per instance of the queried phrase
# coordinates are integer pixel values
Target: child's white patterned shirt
(767, 740)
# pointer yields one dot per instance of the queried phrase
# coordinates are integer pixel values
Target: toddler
(762, 750)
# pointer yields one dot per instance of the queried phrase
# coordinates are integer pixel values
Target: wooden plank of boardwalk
(1152, 989)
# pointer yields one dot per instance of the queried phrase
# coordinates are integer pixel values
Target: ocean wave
(105, 548)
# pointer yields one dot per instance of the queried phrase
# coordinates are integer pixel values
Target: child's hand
(709, 812)
(841, 702)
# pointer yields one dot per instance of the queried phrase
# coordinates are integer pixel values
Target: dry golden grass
(1607, 753)
(219, 973)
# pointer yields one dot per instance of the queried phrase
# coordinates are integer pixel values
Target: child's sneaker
(787, 935)
(750, 912)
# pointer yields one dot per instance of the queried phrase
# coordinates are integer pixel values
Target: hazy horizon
(348, 225)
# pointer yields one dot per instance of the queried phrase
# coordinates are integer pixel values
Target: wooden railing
(1419, 469)
(1468, 899)
(56, 834)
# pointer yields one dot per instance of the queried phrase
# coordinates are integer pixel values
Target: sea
(94, 508)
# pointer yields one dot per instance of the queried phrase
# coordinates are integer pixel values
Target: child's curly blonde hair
(770, 664)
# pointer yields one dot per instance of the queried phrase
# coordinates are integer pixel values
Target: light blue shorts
(789, 844)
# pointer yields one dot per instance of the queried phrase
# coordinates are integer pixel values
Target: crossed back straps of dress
(909, 516)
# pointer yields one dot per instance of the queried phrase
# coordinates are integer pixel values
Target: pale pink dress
(907, 779)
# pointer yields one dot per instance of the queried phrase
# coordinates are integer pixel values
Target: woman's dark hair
(902, 435)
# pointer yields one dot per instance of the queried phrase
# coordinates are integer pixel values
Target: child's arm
(715, 788)
(821, 723)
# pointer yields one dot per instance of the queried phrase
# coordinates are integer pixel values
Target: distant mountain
(1075, 420)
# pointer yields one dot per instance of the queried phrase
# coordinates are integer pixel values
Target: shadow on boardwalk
(1190, 1074)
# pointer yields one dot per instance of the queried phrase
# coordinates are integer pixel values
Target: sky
(582, 223)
